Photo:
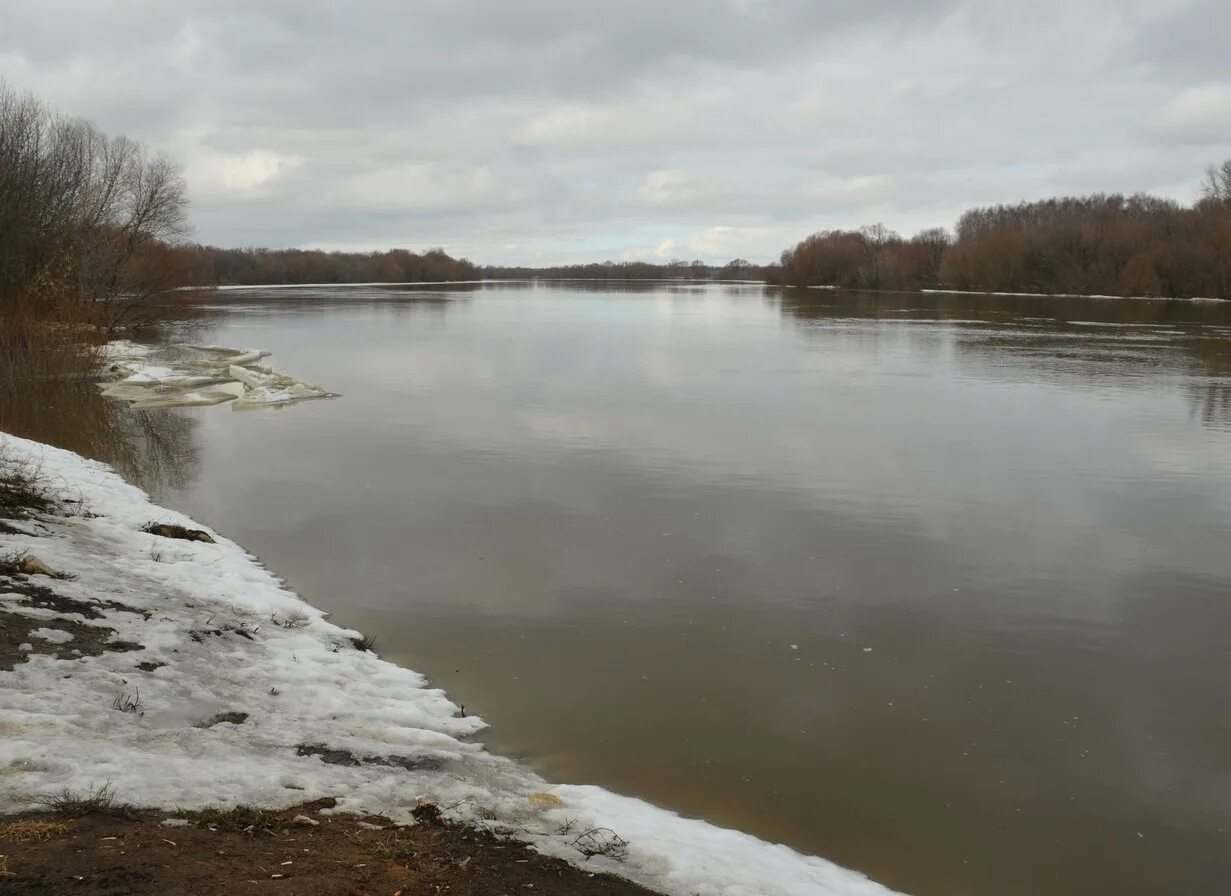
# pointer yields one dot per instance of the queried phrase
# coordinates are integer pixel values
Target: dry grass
(32, 831)
(22, 490)
(395, 848)
(294, 618)
(601, 842)
(70, 803)
(127, 702)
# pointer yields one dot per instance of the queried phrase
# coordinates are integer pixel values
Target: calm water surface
(938, 587)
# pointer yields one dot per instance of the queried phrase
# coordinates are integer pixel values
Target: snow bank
(219, 634)
(191, 375)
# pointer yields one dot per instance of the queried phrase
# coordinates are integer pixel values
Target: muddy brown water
(937, 587)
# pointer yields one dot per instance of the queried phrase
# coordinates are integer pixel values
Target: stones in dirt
(183, 533)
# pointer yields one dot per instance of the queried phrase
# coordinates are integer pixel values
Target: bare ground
(119, 851)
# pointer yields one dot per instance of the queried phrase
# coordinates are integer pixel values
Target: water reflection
(152, 449)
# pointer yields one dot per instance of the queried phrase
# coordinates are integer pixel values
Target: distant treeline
(1102, 244)
(211, 266)
(738, 269)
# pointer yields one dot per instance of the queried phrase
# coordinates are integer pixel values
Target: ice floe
(200, 375)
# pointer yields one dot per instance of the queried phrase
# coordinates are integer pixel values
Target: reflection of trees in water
(153, 449)
(1210, 401)
(1209, 390)
(811, 304)
(197, 311)
(1053, 337)
(604, 286)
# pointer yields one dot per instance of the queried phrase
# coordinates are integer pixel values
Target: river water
(936, 586)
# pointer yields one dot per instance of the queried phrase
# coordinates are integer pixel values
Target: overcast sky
(544, 131)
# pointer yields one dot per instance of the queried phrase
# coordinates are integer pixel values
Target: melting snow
(55, 636)
(308, 693)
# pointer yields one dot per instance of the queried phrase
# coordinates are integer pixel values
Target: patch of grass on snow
(126, 702)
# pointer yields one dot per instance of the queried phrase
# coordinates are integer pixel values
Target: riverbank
(303, 850)
(150, 656)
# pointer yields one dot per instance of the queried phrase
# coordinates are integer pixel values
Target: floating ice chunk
(192, 398)
(123, 350)
(150, 374)
(266, 386)
(219, 357)
(202, 375)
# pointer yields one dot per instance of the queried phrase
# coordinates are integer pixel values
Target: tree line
(676, 269)
(196, 265)
(1102, 244)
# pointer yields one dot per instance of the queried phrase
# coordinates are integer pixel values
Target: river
(935, 586)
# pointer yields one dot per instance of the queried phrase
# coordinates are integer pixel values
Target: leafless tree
(1217, 186)
(80, 212)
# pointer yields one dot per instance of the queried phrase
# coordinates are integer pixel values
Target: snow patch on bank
(195, 375)
(221, 634)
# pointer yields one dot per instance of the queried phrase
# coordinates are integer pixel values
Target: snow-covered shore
(241, 694)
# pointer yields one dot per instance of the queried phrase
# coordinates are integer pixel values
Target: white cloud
(665, 250)
(670, 187)
(858, 185)
(736, 242)
(240, 173)
(429, 186)
(1199, 114)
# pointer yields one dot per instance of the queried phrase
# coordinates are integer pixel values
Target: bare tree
(1217, 185)
(78, 212)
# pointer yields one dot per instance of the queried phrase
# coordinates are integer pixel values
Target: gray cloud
(550, 130)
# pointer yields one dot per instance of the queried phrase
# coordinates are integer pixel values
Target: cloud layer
(550, 131)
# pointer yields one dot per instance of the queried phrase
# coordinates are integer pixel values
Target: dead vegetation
(69, 803)
(601, 842)
(293, 619)
(173, 530)
(126, 701)
(32, 831)
(24, 494)
(248, 633)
